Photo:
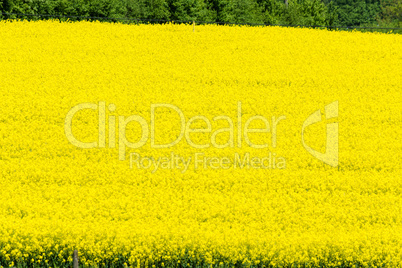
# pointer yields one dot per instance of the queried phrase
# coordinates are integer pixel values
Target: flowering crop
(285, 208)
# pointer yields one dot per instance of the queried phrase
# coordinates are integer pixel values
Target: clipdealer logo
(331, 155)
(148, 131)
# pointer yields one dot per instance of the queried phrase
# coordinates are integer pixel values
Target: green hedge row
(297, 12)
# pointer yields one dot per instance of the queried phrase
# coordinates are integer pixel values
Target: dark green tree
(241, 11)
(357, 12)
(271, 10)
(391, 14)
(189, 10)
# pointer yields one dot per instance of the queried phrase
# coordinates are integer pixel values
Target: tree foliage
(297, 12)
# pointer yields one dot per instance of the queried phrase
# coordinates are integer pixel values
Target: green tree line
(292, 12)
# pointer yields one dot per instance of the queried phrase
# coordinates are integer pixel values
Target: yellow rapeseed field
(153, 146)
